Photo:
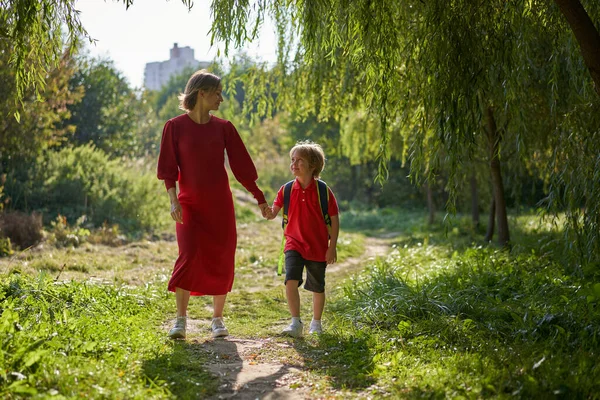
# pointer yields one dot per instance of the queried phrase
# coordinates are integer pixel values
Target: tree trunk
(474, 202)
(586, 34)
(498, 188)
(430, 203)
(491, 221)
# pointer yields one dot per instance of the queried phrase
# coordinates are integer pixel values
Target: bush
(62, 235)
(22, 229)
(109, 235)
(5, 247)
(83, 180)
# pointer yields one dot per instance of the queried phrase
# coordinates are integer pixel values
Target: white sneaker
(315, 328)
(294, 329)
(178, 331)
(218, 328)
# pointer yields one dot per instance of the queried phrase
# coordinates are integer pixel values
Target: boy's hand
(331, 255)
(270, 213)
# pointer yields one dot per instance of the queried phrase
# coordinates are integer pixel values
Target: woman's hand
(265, 210)
(176, 212)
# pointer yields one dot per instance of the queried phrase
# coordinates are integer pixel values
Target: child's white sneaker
(315, 327)
(178, 331)
(294, 329)
(218, 328)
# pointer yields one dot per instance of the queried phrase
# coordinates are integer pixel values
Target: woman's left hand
(264, 209)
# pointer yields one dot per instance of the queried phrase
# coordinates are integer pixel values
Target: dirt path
(243, 374)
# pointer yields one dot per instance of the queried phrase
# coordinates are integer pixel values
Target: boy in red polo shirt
(309, 243)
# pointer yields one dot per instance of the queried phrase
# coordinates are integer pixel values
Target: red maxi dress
(194, 155)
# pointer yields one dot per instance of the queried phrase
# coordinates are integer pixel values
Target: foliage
(5, 247)
(575, 183)
(109, 235)
(40, 125)
(483, 321)
(34, 30)
(84, 181)
(428, 72)
(148, 127)
(61, 235)
(108, 112)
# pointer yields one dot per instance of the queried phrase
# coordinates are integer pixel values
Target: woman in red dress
(192, 152)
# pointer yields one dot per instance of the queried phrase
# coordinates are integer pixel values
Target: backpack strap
(287, 192)
(323, 193)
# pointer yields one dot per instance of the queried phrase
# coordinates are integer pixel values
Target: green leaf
(596, 289)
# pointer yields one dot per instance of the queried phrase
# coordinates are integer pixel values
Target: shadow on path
(232, 361)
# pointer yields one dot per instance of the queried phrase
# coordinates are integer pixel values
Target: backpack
(322, 192)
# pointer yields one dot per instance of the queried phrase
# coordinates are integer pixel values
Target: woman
(192, 152)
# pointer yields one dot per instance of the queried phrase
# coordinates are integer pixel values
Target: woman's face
(212, 99)
(299, 165)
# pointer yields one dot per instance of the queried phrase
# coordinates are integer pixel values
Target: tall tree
(33, 28)
(41, 125)
(107, 113)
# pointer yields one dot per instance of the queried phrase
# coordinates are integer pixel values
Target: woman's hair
(313, 152)
(200, 80)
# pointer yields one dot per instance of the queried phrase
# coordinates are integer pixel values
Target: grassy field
(442, 316)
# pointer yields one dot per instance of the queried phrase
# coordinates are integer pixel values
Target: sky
(149, 28)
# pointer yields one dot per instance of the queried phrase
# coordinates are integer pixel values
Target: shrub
(62, 235)
(5, 247)
(23, 230)
(109, 235)
(83, 180)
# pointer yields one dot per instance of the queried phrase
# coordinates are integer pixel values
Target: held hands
(270, 213)
(176, 212)
(266, 211)
(331, 255)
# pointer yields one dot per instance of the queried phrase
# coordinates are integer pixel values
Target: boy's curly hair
(313, 152)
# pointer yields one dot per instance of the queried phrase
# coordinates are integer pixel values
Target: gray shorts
(315, 271)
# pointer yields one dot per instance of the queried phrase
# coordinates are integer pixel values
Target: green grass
(84, 340)
(446, 320)
(445, 315)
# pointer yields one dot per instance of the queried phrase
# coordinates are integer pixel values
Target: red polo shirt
(306, 231)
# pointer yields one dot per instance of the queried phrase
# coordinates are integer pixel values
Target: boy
(309, 242)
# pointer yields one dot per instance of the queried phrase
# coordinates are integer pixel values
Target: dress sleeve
(168, 164)
(241, 164)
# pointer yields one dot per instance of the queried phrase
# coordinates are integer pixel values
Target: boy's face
(299, 165)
